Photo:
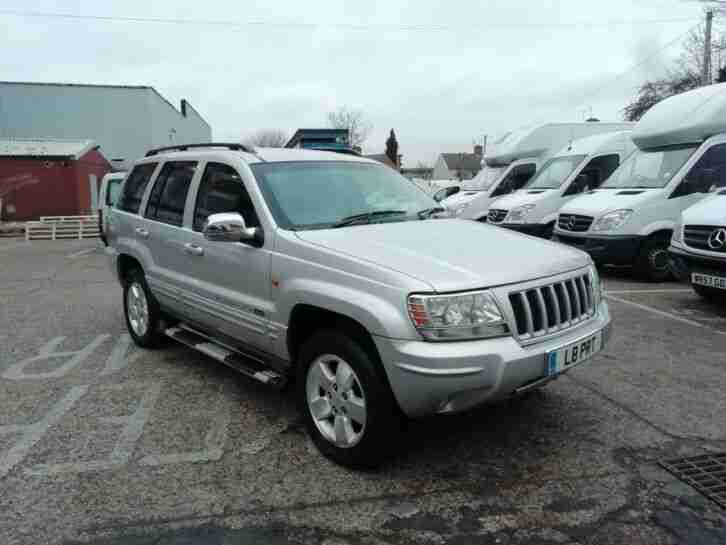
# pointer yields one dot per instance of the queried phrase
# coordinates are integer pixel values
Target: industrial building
(124, 121)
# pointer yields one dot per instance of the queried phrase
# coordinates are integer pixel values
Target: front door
(230, 281)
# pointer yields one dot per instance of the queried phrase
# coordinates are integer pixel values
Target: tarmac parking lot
(102, 442)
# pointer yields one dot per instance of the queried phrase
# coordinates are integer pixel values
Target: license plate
(709, 280)
(578, 352)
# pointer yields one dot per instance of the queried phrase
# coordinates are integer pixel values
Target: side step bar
(231, 358)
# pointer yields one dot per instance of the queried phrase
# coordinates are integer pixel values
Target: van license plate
(709, 280)
(578, 352)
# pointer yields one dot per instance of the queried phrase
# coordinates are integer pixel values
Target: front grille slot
(496, 215)
(574, 222)
(553, 307)
(697, 236)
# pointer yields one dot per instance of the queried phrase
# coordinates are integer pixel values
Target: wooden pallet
(62, 227)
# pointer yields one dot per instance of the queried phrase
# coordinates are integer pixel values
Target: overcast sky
(488, 67)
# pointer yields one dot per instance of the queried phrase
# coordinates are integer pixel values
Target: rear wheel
(347, 405)
(651, 264)
(143, 318)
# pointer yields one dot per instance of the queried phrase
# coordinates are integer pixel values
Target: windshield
(649, 169)
(555, 172)
(315, 195)
(486, 177)
(112, 192)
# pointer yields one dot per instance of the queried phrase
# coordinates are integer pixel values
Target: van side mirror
(230, 227)
(441, 194)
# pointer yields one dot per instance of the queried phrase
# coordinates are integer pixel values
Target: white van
(580, 166)
(107, 196)
(698, 246)
(681, 153)
(514, 158)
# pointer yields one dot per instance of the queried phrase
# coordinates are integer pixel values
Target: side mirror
(441, 194)
(229, 227)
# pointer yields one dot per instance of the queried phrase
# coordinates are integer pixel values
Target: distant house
(385, 159)
(325, 139)
(458, 166)
(124, 120)
(49, 177)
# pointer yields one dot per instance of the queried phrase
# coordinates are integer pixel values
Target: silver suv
(337, 271)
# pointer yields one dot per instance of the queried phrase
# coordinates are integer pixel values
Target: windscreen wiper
(366, 217)
(428, 212)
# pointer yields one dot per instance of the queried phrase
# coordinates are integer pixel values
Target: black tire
(382, 421)
(153, 335)
(709, 294)
(651, 264)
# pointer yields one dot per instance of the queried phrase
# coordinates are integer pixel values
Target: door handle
(143, 233)
(193, 249)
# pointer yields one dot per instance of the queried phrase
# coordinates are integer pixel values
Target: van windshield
(649, 169)
(555, 172)
(484, 180)
(112, 192)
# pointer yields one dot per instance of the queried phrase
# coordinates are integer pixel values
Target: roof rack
(184, 147)
(345, 151)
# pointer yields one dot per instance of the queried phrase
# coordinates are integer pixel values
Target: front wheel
(347, 405)
(651, 264)
(143, 317)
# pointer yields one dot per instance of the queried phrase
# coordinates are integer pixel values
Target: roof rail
(345, 151)
(184, 147)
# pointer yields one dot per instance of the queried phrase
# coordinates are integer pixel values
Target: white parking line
(660, 290)
(661, 312)
(81, 253)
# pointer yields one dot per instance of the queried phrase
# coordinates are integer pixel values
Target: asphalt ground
(102, 442)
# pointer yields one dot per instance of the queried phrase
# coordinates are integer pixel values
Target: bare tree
(354, 121)
(267, 138)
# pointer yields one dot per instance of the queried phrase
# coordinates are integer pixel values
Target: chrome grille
(543, 310)
(574, 222)
(698, 236)
(496, 216)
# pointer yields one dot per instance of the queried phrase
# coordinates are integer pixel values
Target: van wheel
(651, 264)
(346, 403)
(710, 294)
(143, 318)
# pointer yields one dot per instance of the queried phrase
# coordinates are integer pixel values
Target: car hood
(710, 211)
(602, 201)
(521, 197)
(451, 254)
(460, 198)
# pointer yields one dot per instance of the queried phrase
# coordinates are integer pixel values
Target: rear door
(230, 286)
(164, 233)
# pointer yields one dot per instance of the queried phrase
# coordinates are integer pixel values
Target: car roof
(260, 155)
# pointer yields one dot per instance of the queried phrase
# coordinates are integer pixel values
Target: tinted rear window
(135, 186)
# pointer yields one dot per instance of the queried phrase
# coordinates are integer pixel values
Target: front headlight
(459, 209)
(612, 220)
(517, 215)
(473, 315)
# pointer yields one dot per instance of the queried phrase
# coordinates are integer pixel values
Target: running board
(229, 357)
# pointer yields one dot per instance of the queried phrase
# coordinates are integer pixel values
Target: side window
(166, 202)
(133, 189)
(708, 174)
(112, 192)
(222, 190)
(516, 179)
(595, 173)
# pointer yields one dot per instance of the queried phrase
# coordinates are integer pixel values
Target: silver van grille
(547, 309)
(574, 222)
(704, 237)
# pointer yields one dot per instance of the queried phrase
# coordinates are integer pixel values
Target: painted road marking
(32, 433)
(47, 352)
(81, 253)
(646, 291)
(133, 428)
(661, 313)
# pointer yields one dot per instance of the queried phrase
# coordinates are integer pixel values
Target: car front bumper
(683, 262)
(613, 250)
(430, 377)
